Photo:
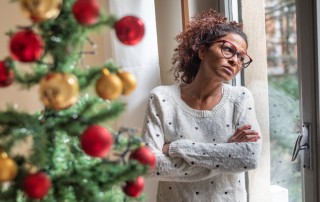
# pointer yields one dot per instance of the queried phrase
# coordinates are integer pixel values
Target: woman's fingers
(241, 129)
(254, 139)
(239, 133)
(249, 137)
(244, 134)
(165, 149)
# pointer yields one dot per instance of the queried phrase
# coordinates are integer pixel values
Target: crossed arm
(186, 161)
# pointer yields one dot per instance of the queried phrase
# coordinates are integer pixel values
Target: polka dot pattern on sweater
(199, 152)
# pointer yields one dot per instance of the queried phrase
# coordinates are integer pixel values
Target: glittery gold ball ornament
(8, 168)
(129, 82)
(59, 90)
(39, 11)
(109, 86)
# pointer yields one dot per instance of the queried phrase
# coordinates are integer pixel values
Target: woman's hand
(165, 149)
(245, 134)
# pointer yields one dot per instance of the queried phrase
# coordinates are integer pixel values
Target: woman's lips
(229, 70)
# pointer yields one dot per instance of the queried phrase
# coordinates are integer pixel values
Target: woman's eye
(241, 57)
(228, 49)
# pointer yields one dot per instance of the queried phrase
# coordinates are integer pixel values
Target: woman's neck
(202, 95)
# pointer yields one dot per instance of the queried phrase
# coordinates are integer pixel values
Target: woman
(203, 132)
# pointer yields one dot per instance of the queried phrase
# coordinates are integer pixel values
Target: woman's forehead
(236, 40)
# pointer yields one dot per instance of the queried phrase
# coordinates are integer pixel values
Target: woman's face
(215, 65)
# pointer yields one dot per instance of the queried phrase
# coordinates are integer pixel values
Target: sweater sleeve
(168, 168)
(227, 157)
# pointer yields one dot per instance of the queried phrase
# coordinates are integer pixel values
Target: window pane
(283, 96)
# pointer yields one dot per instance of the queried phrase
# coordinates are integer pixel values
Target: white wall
(168, 20)
(256, 79)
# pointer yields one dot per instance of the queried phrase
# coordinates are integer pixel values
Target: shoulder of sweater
(238, 94)
(163, 90)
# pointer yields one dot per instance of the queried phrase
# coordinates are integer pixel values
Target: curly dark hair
(202, 30)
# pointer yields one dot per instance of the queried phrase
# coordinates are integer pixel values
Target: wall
(169, 24)
(13, 16)
(168, 19)
(195, 6)
(256, 80)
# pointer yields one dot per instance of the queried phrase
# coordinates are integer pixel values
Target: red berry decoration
(134, 188)
(145, 156)
(129, 30)
(96, 141)
(6, 75)
(36, 186)
(86, 12)
(26, 46)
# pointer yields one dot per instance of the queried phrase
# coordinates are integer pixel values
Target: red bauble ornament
(129, 30)
(36, 185)
(145, 156)
(86, 12)
(134, 188)
(6, 75)
(26, 46)
(96, 141)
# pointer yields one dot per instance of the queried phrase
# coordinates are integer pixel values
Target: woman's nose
(233, 60)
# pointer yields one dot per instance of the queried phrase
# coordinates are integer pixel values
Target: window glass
(283, 96)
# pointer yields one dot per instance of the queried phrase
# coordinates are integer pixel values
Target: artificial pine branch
(87, 76)
(55, 134)
(27, 80)
(115, 108)
(14, 118)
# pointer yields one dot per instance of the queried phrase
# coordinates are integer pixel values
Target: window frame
(308, 17)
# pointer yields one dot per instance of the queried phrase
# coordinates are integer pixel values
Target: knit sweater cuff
(175, 149)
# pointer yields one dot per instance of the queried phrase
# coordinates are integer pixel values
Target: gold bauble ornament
(59, 90)
(8, 168)
(129, 82)
(109, 86)
(41, 10)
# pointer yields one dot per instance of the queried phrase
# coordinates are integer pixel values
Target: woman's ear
(201, 52)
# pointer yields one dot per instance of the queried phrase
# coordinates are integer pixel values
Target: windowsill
(278, 194)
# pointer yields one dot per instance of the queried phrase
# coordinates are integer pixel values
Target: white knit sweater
(201, 166)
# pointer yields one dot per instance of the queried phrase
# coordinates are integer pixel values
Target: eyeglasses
(228, 50)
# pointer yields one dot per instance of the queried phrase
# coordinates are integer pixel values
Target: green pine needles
(53, 135)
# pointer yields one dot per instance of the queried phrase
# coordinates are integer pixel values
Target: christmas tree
(75, 155)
